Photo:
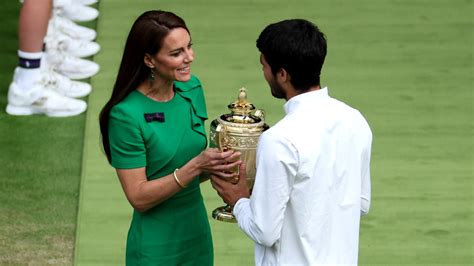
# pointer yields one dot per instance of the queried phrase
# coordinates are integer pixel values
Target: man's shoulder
(351, 117)
(279, 131)
(341, 107)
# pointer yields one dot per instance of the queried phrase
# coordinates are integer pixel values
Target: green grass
(39, 174)
(407, 65)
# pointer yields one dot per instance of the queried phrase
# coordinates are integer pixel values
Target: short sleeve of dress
(127, 147)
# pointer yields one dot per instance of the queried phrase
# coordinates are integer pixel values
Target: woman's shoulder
(129, 104)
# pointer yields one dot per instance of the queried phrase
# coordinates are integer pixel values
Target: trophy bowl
(238, 130)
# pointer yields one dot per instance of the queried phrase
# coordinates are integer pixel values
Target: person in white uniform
(313, 166)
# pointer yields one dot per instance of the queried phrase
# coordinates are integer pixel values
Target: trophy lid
(241, 110)
(241, 106)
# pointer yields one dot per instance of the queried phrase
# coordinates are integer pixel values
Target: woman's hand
(222, 164)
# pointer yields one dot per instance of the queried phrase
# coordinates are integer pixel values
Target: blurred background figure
(51, 47)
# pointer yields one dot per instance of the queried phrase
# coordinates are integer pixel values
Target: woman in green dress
(153, 134)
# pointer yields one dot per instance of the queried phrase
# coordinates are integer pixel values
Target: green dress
(163, 136)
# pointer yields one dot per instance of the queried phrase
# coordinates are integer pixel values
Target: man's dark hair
(296, 45)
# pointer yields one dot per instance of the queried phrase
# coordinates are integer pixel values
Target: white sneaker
(51, 80)
(68, 65)
(62, 25)
(77, 48)
(87, 2)
(75, 11)
(39, 100)
(64, 86)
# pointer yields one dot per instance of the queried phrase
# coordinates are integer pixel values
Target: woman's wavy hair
(146, 37)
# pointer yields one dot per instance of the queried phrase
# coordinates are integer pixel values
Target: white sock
(26, 77)
(29, 55)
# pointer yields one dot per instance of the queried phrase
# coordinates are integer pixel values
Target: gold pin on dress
(239, 130)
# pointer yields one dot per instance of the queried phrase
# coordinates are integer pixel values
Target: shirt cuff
(241, 207)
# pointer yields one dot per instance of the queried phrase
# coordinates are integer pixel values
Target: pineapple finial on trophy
(242, 95)
(241, 106)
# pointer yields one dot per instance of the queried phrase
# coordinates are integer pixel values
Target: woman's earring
(152, 75)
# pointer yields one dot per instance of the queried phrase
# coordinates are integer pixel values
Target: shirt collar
(306, 97)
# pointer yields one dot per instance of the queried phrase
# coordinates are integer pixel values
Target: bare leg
(33, 24)
(32, 27)
(32, 91)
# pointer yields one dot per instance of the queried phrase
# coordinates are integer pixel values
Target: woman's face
(173, 61)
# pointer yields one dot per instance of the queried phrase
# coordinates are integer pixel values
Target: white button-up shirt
(312, 184)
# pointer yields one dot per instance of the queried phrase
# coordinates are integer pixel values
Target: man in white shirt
(313, 166)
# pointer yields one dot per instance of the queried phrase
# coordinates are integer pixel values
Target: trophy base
(224, 214)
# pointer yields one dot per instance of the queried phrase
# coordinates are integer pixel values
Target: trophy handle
(221, 135)
(221, 131)
(260, 114)
(223, 213)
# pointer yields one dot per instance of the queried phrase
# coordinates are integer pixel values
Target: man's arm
(261, 217)
(366, 186)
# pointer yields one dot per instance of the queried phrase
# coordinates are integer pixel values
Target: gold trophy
(239, 131)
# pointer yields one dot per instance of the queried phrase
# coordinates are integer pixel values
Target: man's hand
(229, 192)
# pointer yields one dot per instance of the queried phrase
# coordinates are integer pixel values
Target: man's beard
(277, 91)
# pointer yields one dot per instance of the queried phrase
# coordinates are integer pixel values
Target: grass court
(406, 65)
